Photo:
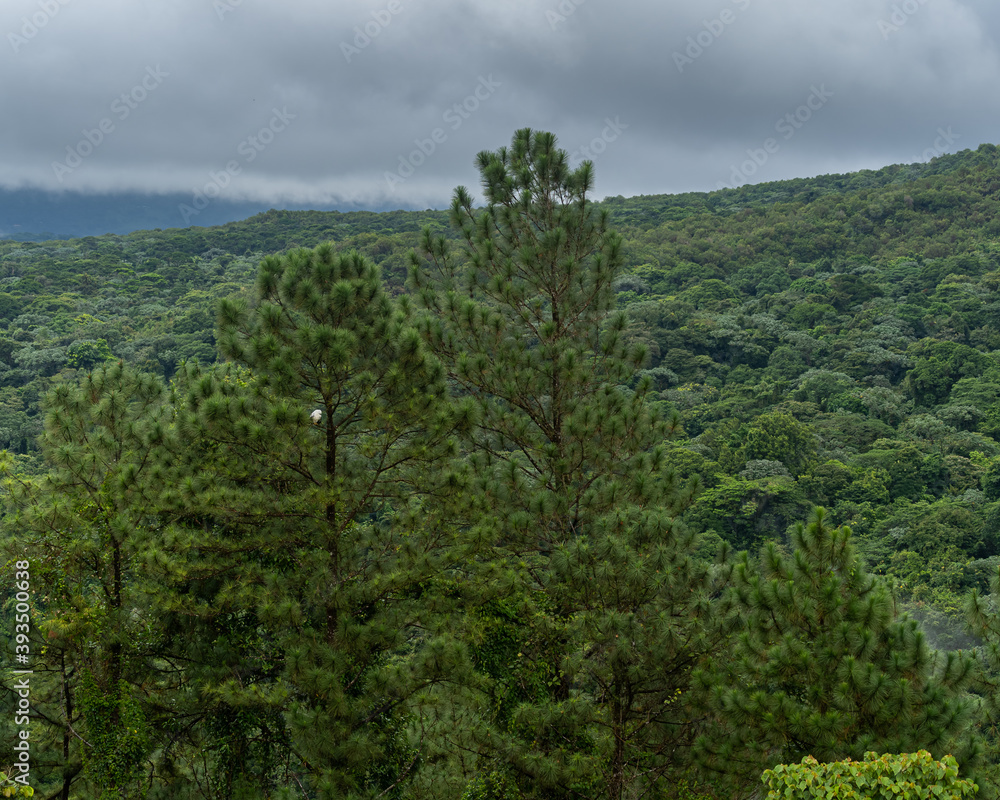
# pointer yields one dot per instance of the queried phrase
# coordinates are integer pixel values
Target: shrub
(910, 776)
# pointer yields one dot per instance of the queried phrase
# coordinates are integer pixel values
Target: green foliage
(820, 664)
(983, 621)
(117, 739)
(747, 510)
(948, 526)
(312, 477)
(491, 786)
(939, 366)
(827, 340)
(779, 437)
(912, 776)
(12, 788)
(580, 506)
(82, 525)
(87, 354)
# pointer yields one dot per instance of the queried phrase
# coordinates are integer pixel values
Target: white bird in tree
(316, 416)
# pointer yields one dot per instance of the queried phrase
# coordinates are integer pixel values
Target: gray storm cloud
(388, 102)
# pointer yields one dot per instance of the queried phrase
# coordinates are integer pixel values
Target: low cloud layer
(387, 102)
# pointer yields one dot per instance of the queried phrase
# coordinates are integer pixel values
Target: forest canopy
(638, 497)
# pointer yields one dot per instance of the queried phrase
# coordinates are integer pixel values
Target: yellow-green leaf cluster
(908, 776)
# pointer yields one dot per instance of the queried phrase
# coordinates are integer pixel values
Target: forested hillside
(36, 215)
(552, 533)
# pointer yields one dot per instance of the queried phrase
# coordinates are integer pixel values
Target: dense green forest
(543, 499)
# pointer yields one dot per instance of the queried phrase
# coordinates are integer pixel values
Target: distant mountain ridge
(37, 215)
(651, 210)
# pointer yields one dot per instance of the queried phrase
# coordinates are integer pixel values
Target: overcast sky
(387, 102)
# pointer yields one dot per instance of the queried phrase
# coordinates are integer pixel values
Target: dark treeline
(520, 501)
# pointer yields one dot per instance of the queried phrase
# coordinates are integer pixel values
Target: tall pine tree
(589, 624)
(315, 470)
(82, 526)
(820, 664)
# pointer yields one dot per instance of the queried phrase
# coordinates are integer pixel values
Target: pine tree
(524, 318)
(821, 664)
(587, 628)
(315, 470)
(81, 527)
(983, 621)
